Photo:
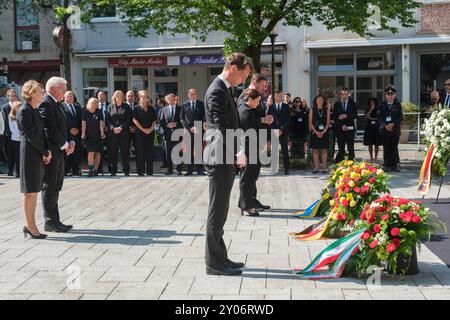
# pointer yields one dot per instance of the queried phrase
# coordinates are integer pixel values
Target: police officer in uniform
(390, 116)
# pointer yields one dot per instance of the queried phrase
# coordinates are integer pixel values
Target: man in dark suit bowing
(220, 158)
(191, 111)
(73, 113)
(60, 142)
(281, 112)
(445, 99)
(344, 113)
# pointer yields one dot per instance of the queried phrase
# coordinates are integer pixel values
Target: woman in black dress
(249, 120)
(34, 153)
(372, 133)
(118, 121)
(144, 118)
(319, 123)
(92, 133)
(299, 126)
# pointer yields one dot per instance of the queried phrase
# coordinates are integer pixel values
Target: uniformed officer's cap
(390, 89)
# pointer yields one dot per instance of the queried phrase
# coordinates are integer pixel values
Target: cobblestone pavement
(143, 238)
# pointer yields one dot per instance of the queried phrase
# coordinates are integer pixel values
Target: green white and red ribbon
(336, 254)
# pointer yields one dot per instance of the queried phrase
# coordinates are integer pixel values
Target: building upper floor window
(99, 11)
(26, 26)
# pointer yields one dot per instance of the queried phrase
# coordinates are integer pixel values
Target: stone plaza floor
(143, 238)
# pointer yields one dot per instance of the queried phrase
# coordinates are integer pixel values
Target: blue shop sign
(202, 59)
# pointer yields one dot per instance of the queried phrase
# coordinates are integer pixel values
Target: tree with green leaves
(249, 22)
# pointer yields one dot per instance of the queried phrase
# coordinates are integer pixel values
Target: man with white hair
(60, 142)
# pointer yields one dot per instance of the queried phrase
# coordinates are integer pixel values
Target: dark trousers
(74, 160)
(191, 165)
(116, 141)
(53, 182)
(168, 146)
(285, 151)
(247, 186)
(144, 152)
(345, 138)
(221, 180)
(3, 149)
(390, 151)
(13, 156)
(104, 156)
(163, 147)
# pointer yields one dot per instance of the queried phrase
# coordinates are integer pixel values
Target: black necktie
(447, 100)
(192, 105)
(345, 106)
(73, 110)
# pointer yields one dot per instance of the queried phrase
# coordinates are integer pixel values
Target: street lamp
(273, 35)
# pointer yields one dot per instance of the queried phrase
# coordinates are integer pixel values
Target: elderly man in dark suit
(60, 142)
(170, 121)
(220, 157)
(193, 110)
(73, 113)
(344, 113)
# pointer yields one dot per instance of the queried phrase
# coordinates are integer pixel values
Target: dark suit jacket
(351, 113)
(188, 116)
(56, 125)
(443, 98)
(74, 121)
(396, 115)
(119, 117)
(221, 114)
(32, 134)
(249, 119)
(165, 119)
(260, 111)
(281, 120)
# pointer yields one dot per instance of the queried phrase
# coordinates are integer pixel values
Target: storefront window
(93, 80)
(383, 61)
(434, 70)
(120, 79)
(267, 72)
(164, 88)
(166, 72)
(329, 86)
(139, 79)
(335, 63)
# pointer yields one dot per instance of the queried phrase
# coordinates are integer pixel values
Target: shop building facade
(308, 60)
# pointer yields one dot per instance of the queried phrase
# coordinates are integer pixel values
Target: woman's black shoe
(27, 232)
(252, 212)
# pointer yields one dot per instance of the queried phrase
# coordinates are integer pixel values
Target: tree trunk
(254, 52)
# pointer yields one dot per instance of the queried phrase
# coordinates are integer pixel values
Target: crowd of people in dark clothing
(132, 125)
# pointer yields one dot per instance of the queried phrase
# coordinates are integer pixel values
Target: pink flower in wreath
(391, 247)
(366, 235)
(395, 232)
(345, 203)
(416, 219)
(396, 242)
(385, 217)
(377, 228)
(373, 244)
(372, 180)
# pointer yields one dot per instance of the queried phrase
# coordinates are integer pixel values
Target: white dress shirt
(14, 128)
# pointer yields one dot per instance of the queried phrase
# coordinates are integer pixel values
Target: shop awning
(157, 51)
(343, 43)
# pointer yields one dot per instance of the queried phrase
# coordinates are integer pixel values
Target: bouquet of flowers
(436, 131)
(394, 227)
(356, 187)
(337, 171)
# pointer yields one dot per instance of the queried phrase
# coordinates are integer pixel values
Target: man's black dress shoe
(65, 226)
(234, 265)
(259, 205)
(52, 227)
(223, 270)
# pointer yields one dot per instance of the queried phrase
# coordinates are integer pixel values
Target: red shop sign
(137, 62)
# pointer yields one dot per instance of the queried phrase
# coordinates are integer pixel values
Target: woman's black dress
(372, 132)
(33, 145)
(93, 142)
(299, 123)
(319, 122)
(144, 142)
